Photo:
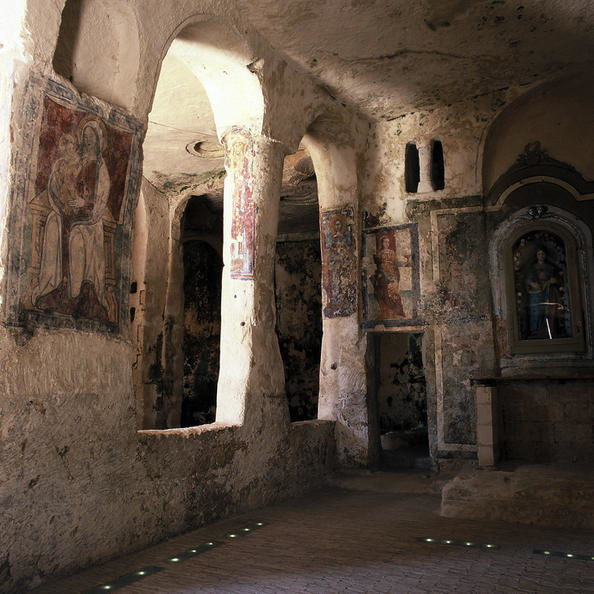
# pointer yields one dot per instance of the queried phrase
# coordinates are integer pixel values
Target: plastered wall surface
(548, 422)
(77, 450)
(456, 231)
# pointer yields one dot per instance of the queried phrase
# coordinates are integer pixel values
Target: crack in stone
(405, 51)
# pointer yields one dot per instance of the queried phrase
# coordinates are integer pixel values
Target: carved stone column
(425, 184)
(251, 374)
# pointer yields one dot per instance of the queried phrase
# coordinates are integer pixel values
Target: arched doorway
(298, 291)
(203, 265)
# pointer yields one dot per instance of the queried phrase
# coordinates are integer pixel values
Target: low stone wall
(80, 485)
(555, 496)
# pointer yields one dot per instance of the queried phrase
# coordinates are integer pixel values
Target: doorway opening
(400, 393)
(298, 289)
(202, 237)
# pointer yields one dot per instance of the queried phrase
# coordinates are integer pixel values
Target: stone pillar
(251, 376)
(343, 381)
(425, 184)
(487, 425)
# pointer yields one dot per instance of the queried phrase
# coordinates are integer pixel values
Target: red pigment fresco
(386, 278)
(339, 263)
(82, 166)
(390, 279)
(239, 163)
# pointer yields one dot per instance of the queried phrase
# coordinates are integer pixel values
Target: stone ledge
(500, 379)
(297, 425)
(543, 495)
(186, 432)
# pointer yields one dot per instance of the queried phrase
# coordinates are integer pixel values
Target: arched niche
(221, 58)
(541, 283)
(557, 114)
(98, 49)
(206, 57)
(201, 287)
(298, 285)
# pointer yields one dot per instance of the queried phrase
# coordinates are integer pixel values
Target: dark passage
(299, 323)
(401, 400)
(202, 232)
(202, 329)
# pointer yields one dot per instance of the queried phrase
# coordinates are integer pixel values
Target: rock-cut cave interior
(319, 275)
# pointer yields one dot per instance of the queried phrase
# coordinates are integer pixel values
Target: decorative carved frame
(577, 245)
(534, 166)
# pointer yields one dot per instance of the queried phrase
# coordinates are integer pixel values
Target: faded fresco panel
(240, 156)
(390, 276)
(339, 263)
(75, 205)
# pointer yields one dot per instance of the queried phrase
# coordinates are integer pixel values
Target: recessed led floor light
(197, 550)
(459, 543)
(562, 554)
(245, 530)
(125, 580)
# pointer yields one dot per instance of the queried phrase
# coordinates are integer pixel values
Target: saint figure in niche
(540, 286)
(386, 279)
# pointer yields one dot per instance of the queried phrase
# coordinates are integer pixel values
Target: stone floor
(359, 535)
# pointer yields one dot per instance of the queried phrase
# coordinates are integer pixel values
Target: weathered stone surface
(544, 495)
(548, 421)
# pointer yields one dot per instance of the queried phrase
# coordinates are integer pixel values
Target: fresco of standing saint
(390, 276)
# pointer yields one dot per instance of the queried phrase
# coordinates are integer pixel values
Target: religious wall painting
(543, 292)
(390, 276)
(75, 207)
(240, 155)
(541, 287)
(339, 263)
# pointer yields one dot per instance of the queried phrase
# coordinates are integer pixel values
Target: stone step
(539, 494)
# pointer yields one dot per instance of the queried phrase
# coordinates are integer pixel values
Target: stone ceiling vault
(381, 58)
